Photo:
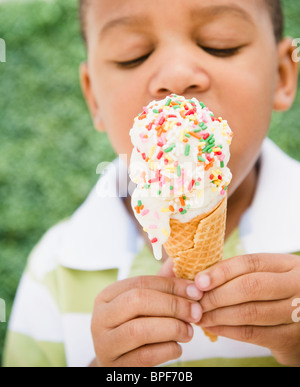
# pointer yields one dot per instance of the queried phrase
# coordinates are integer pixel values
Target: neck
(241, 200)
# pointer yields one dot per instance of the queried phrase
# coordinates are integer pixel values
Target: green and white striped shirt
(50, 321)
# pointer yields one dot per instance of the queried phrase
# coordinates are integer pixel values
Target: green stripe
(74, 291)
(233, 246)
(78, 289)
(144, 264)
(222, 362)
(23, 351)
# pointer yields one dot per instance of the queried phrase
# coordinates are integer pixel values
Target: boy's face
(222, 52)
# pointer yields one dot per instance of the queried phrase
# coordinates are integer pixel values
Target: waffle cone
(198, 244)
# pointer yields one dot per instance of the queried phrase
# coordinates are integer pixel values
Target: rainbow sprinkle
(170, 132)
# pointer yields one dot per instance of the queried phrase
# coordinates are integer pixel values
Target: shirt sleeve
(35, 334)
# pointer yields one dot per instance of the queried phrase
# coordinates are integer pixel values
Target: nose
(180, 74)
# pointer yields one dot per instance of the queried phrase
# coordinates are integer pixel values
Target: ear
(87, 91)
(287, 76)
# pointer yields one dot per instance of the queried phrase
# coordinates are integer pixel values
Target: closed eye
(222, 53)
(133, 63)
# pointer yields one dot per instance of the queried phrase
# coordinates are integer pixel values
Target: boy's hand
(250, 299)
(139, 321)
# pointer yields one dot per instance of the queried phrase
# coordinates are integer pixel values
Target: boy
(231, 56)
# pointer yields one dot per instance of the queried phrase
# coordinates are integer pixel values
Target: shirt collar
(271, 224)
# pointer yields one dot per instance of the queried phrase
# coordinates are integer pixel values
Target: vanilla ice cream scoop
(179, 164)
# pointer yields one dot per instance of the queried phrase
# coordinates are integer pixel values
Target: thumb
(166, 269)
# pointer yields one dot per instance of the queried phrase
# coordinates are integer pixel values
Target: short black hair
(83, 4)
(276, 11)
(275, 7)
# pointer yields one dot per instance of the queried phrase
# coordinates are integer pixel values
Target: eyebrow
(210, 11)
(129, 21)
(215, 11)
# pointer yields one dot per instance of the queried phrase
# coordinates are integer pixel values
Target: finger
(227, 270)
(247, 288)
(274, 338)
(270, 313)
(142, 331)
(175, 286)
(166, 269)
(150, 355)
(146, 302)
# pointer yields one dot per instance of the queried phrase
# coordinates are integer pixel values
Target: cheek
(118, 125)
(249, 112)
(250, 125)
(245, 151)
(119, 101)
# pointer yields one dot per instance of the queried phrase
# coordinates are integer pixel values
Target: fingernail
(193, 292)
(196, 312)
(203, 281)
(190, 331)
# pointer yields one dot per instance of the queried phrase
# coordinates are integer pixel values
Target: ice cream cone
(198, 244)
(179, 164)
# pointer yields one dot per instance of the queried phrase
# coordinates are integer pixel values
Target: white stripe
(269, 224)
(80, 350)
(35, 313)
(79, 343)
(201, 348)
(43, 258)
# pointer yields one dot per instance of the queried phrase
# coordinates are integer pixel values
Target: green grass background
(48, 148)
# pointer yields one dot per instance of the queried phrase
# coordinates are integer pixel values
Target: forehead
(106, 15)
